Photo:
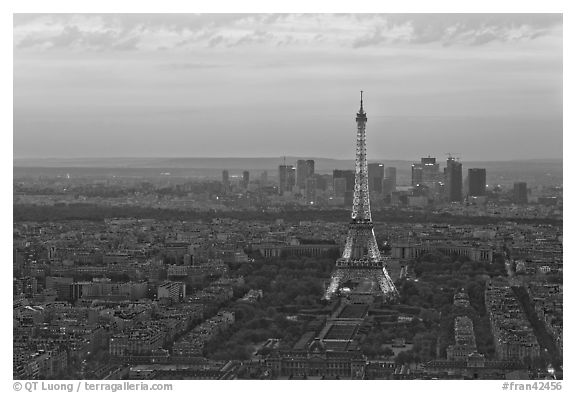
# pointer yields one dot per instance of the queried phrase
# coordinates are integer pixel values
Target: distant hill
(256, 163)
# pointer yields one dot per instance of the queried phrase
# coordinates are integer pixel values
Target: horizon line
(276, 156)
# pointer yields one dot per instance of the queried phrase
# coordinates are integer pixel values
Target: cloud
(215, 41)
(256, 37)
(127, 45)
(371, 39)
(185, 31)
(190, 66)
(73, 37)
(454, 29)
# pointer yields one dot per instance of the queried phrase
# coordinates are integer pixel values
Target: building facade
(304, 170)
(453, 175)
(476, 182)
(520, 193)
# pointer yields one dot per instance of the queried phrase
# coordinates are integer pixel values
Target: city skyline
(273, 85)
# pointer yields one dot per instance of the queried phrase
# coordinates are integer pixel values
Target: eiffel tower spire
(361, 258)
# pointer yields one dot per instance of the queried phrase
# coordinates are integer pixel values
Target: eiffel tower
(361, 258)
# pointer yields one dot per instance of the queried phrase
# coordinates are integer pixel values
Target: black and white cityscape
(282, 196)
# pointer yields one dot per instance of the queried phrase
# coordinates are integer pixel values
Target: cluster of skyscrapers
(303, 179)
(244, 180)
(300, 178)
(429, 182)
(428, 179)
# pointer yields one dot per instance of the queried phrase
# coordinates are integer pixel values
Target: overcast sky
(487, 87)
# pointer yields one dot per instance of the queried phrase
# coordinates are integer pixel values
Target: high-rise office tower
(310, 166)
(417, 171)
(426, 172)
(388, 186)
(390, 173)
(304, 169)
(389, 182)
(520, 193)
(361, 260)
(291, 178)
(453, 175)
(375, 177)
(282, 179)
(301, 173)
(286, 178)
(245, 179)
(339, 187)
(322, 181)
(311, 190)
(430, 171)
(347, 175)
(476, 181)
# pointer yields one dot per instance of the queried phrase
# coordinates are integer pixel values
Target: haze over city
(486, 86)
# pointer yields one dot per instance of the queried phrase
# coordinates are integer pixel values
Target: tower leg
(334, 284)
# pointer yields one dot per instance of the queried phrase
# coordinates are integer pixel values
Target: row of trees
(439, 277)
(93, 212)
(284, 282)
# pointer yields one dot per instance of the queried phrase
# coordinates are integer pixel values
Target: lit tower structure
(361, 259)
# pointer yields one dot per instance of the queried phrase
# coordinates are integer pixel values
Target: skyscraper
(426, 172)
(286, 178)
(476, 181)
(390, 173)
(453, 174)
(417, 171)
(339, 187)
(347, 175)
(430, 171)
(311, 190)
(291, 178)
(282, 176)
(375, 177)
(389, 182)
(245, 179)
(520, 193)
(304, 169)
(322, 181)
(361, 260)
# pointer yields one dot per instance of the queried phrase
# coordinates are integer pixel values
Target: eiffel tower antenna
(361, 259)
